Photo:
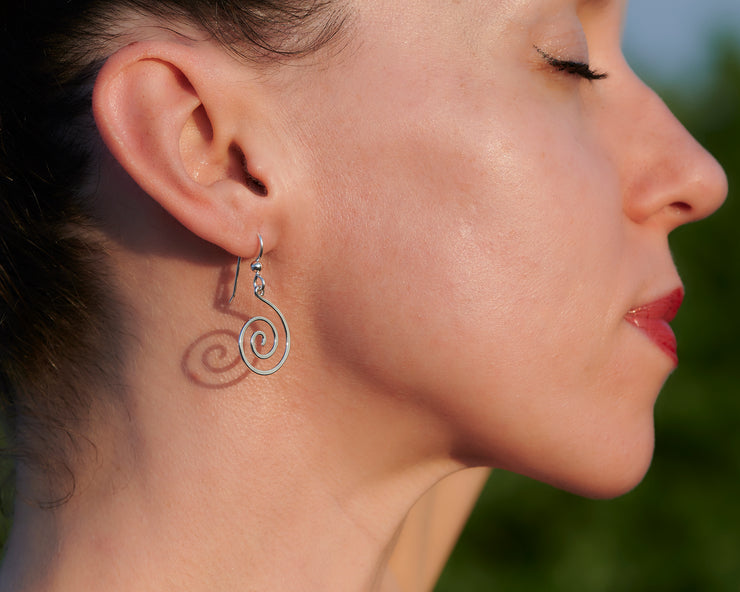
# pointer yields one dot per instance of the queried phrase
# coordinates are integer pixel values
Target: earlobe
(160, 116)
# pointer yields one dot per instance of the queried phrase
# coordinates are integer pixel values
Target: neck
(291, 496)
(296, 481)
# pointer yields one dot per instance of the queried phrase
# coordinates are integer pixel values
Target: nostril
(681, 207)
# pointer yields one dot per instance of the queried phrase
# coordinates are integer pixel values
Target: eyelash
(572, 67)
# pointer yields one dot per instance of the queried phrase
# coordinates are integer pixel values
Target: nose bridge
(669, 177)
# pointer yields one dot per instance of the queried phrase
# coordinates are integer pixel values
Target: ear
(172, 116)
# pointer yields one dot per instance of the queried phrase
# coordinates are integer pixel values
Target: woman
(461, 212)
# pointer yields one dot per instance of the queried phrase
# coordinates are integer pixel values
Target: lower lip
(654, 319)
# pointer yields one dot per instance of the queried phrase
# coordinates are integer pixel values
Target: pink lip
(654, 319)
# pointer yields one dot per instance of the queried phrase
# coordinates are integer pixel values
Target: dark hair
(60, 331)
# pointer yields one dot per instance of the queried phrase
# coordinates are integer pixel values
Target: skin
(454, 230)
(544, 208)
(431, 530)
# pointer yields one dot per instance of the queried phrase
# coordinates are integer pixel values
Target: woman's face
(489, 217)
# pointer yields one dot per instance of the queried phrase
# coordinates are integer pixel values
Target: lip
(654, 318)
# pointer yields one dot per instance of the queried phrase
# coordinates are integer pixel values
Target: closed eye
(581, 69)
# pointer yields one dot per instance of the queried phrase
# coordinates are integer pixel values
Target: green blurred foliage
(680, 529)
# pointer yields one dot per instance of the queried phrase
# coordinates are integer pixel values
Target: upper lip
(665, 308)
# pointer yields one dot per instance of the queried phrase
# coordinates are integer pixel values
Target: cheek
(548, 239)
(473, 233)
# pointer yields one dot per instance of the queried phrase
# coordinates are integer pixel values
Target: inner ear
(254, 184)
(197, 151)
(196, 145)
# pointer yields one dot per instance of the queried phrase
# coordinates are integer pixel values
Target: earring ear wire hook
(239, 264)
(236, 278)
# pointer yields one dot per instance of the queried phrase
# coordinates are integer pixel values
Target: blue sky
(669, 39)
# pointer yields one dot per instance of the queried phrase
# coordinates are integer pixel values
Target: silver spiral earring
(259, 291)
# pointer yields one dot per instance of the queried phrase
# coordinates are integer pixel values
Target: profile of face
(493, 218)
(497, 208)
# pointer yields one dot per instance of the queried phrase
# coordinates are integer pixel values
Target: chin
(601, 469)
(609, 486)
(609, 475)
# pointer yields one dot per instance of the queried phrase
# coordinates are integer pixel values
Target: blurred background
(680, 529)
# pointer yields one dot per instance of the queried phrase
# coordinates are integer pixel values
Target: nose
(669, 178)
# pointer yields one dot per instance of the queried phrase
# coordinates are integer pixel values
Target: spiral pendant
(258, 339)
